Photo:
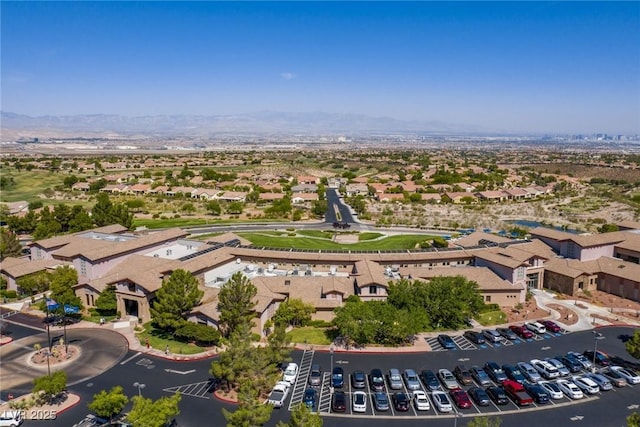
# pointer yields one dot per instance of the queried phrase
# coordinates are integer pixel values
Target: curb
(225, 400)
(70, 406)
(7, 341)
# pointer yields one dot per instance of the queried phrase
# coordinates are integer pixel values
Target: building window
(487, 298)
(83, 267)
(373, 290)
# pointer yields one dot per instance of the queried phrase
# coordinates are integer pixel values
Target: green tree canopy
(301, 416)
(633, 345)
(149, 413)
(236, 302)
(107, 404)
(485, 422)
(106, 303)
(63, 279)
(177, 296)
(9, 244)
(251, 410)
(49, 386)
(294, 312)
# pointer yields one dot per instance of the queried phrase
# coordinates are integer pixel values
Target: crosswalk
(301, 380)
(202, 389)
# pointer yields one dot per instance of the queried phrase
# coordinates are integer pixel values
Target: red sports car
(461, 398)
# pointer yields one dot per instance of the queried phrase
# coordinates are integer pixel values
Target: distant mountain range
(265, 122)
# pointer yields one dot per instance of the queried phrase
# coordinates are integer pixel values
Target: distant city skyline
(569, 67)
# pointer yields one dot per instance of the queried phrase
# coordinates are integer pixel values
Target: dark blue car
(309, 398)
(337, 377)
(446, 341)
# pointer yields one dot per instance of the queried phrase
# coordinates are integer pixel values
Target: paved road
(336, 203)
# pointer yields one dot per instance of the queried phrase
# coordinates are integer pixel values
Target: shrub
(197, 332)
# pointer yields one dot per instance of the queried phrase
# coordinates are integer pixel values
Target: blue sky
(516, 66)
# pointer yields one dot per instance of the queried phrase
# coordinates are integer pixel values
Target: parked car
(570, 390)
(495, 372)
(586, 363)
(395, 379)
(359, 401)
(480, 375)
(315, 376)
(309, 399)
(337, 377)
(513, 373)
(497, 394)
(279, 394)
(562, 369)
(430, 380)
(446, 341)
(11, 418)
(552, 389)
(479, 396)
(600, 358)
(411, 379)
(474, 337)
(536, 327)
(460, 398)
(586, 384)
(517, 393)
(421, 401)
(529, 372)
(546, 369)
(463, 375)
(401, 401)
(376, 380)
(521, 331)
(627, 374)
(492, 335)
(380, 401)
(571, 363)
(290, 373)
(615, 378)
(358, 379)
(602, 381)
(448, 380)
(507, 333)
(441, 401)
(339, 401)
(551, 326)
(538, 393)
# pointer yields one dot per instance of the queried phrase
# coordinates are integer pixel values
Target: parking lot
(464, 347)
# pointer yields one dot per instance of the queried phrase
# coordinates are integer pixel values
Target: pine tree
(235, 302)
(9, 244)
(177, 296)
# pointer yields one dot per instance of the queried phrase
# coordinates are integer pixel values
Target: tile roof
(19, 267)
(486, 279)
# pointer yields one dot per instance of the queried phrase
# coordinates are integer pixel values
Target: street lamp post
(331, 378)
(455, 419)
(596, 336)
(140, 387)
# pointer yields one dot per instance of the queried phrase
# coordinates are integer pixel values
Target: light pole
(596, 336)
(455, 419)
(331, 353)
(140, 387)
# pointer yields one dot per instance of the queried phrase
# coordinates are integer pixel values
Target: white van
(11, 419)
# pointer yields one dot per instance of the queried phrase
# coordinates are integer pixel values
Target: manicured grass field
(316, 233)
(186, 222)
(492, 318)
(309, 335)
(28, 184)
(399, 242)
(369, 236)
(160, 340)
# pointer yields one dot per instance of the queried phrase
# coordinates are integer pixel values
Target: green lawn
(492, 318)
(399, 242)
(160, 340)
(316, 233)
(28, 184)
(369, 236)
(309, 335)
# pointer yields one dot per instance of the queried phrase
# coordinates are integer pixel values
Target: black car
(309, 398)
(600, 358)
(513, 373)
(572, 364)
(495, 372)
(337, 377)
(474, 337)
(376, 380)
(536, 391)
(339, 402)
(358, 379)
(479, 396)
(430, 380)
(446, 341)
(498, 395)
(463, 375)
(401, 401)
(507, 333)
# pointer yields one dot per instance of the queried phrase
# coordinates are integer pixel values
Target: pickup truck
(517, 393)
(279, 394)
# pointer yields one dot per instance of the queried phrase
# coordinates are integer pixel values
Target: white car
(441, 401)
(586, 384)
(562, 370)
(627, 374)
(279, 394)
(545, 369)
(570, 389)
(359, 401)
(290, 373)
(552, 389)
(447, 379)
(421, 401)
(536, 327)
(11, 418)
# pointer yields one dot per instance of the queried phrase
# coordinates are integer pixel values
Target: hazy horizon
(565, 67)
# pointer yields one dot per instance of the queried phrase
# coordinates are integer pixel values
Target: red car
(551, 326)
(521, 331)
(461, 398)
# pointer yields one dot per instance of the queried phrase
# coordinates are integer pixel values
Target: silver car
(315, 377)
(447, 379)
(395, 379)
(559, 366)
(602, 381)
(492, 335)
(411, 379)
